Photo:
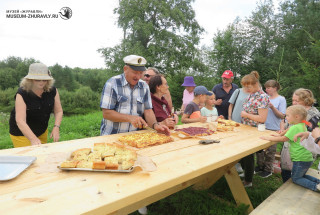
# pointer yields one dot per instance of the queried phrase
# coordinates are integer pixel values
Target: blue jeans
(285, 174)
(299, 176)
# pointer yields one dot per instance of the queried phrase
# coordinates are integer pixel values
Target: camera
(314, 122)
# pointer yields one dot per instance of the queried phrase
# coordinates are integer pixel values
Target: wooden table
(179, 165)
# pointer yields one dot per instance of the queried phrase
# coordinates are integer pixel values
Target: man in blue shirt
(223, 93)
(126, 99)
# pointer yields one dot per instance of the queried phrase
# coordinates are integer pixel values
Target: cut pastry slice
(69, 164)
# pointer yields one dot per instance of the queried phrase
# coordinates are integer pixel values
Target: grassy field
(216, 200)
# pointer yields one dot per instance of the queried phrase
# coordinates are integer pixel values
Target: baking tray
(97, 170)
(12, 166)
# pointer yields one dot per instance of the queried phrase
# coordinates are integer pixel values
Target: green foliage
(81, 101)
(309, 71)
(5, 141)
(78, 126)
(72, 127)
(80, 89)
(64, 78)
(94, 78)
(7, 99)
(165, 32)
(12, 70)
(228, 52)
(279, 46)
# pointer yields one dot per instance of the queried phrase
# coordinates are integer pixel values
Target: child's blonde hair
(207, 96)
(211, 95)
(298, 110)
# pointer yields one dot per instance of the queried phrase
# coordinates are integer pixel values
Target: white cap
(136, 62)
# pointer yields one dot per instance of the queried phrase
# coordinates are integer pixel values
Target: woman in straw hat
(35, 100)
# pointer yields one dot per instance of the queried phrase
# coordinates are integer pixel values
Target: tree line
(281, 44)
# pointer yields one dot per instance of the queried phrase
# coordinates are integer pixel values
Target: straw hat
(39, 71)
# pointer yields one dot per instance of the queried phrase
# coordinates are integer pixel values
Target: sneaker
(247, 184)
(239, 168)
(265, 174)
(318, 187)
(143, 210)
(258, 169)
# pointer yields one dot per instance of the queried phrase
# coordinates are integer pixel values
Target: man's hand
(218, 102)
(138, 122)
(162, 129)
(176, 118)
(316, 132)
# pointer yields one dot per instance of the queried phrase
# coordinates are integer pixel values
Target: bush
(81, 101)
(7, 99)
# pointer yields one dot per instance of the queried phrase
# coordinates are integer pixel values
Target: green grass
(72, 127)
(216, 200)
(5, 141)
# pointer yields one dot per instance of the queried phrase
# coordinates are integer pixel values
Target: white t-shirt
(207, 112)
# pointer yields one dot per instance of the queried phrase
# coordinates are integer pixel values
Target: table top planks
(76, 192)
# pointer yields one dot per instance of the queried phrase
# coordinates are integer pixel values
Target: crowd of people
(140, 97)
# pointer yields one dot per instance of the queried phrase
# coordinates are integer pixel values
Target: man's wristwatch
(317, 140)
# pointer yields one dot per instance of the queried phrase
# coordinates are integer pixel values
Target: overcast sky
(74, 42)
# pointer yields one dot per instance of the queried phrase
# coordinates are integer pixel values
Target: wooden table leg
(238, 191)
(212, 177)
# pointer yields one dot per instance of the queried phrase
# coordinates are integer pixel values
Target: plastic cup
(261, 127)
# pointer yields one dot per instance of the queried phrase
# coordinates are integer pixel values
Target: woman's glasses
(41, 80)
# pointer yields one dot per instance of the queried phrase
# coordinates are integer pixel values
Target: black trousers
(247, 164)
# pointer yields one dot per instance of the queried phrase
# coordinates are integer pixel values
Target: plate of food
(227, 125)
(141, 140)
(105, 157)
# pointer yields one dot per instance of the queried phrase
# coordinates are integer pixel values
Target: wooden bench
(291, 199)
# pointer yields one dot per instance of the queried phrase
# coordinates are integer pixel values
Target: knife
(205, 142)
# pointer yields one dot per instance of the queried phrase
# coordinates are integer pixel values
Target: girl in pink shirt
(188, 94)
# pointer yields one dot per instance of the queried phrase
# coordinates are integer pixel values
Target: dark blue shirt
(222, 94)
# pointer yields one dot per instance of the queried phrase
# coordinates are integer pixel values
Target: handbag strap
(234, 104)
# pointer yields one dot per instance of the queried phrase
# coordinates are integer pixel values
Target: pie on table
(195, 131)
(226, 125)
(104, 156)
(141, 140)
